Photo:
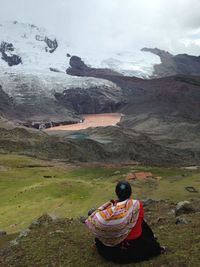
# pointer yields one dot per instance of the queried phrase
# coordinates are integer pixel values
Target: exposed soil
(91, 120)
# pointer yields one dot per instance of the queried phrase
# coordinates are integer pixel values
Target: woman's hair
(123, 190)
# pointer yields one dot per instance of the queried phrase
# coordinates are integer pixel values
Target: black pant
(140, 249)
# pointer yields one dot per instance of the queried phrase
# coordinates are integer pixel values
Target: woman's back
(121, 233)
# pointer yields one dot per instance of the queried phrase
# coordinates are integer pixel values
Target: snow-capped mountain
(34, 46)
(33, 79)
(28, 48)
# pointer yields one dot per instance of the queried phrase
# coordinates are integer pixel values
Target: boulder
(22, 234)
(191, 189)
(184, 207)
(181, 220)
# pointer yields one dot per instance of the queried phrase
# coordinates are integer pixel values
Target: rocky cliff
(79, 68)
(93, 100)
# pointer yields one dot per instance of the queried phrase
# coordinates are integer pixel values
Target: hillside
(40, 246)
(67, 191)
(107, 144)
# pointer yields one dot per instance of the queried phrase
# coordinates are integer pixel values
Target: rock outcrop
(79, 68)
(7, 52)
(184, 207)
(52, 45)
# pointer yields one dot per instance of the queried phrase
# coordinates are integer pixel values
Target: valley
(72, 124)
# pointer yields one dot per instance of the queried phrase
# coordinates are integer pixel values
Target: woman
(121, 233)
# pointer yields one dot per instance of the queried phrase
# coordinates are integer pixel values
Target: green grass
(71, 191)
(68, 243)
(25, 195)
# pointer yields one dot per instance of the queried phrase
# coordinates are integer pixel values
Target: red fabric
(137, 229)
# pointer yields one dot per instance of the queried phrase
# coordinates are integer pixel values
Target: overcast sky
(114, 25)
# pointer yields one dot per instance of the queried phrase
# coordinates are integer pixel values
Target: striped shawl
(112, 222)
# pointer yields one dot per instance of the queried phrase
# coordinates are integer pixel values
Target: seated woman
(121, 233)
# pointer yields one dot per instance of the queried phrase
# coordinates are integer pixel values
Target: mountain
(176, 96)
(33, 80)
(29, 48)
(181, 64)
(166, 109)
(52, 97)
(36, 91)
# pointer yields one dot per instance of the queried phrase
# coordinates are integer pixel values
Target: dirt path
(92, 120)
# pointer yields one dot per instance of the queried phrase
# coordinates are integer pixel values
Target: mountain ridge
(181, 64)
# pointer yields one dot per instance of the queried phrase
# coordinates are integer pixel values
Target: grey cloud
(113, 25)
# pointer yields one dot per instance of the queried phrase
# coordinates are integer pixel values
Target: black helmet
(123, 190)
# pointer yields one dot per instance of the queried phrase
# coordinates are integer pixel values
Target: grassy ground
(69, 191)
(30, 188)
(67, 243)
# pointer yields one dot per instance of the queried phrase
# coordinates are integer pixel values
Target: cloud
(114, 25)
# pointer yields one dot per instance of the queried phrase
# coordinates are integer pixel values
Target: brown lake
(91, 120)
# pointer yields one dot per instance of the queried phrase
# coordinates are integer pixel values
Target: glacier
(29, 43)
